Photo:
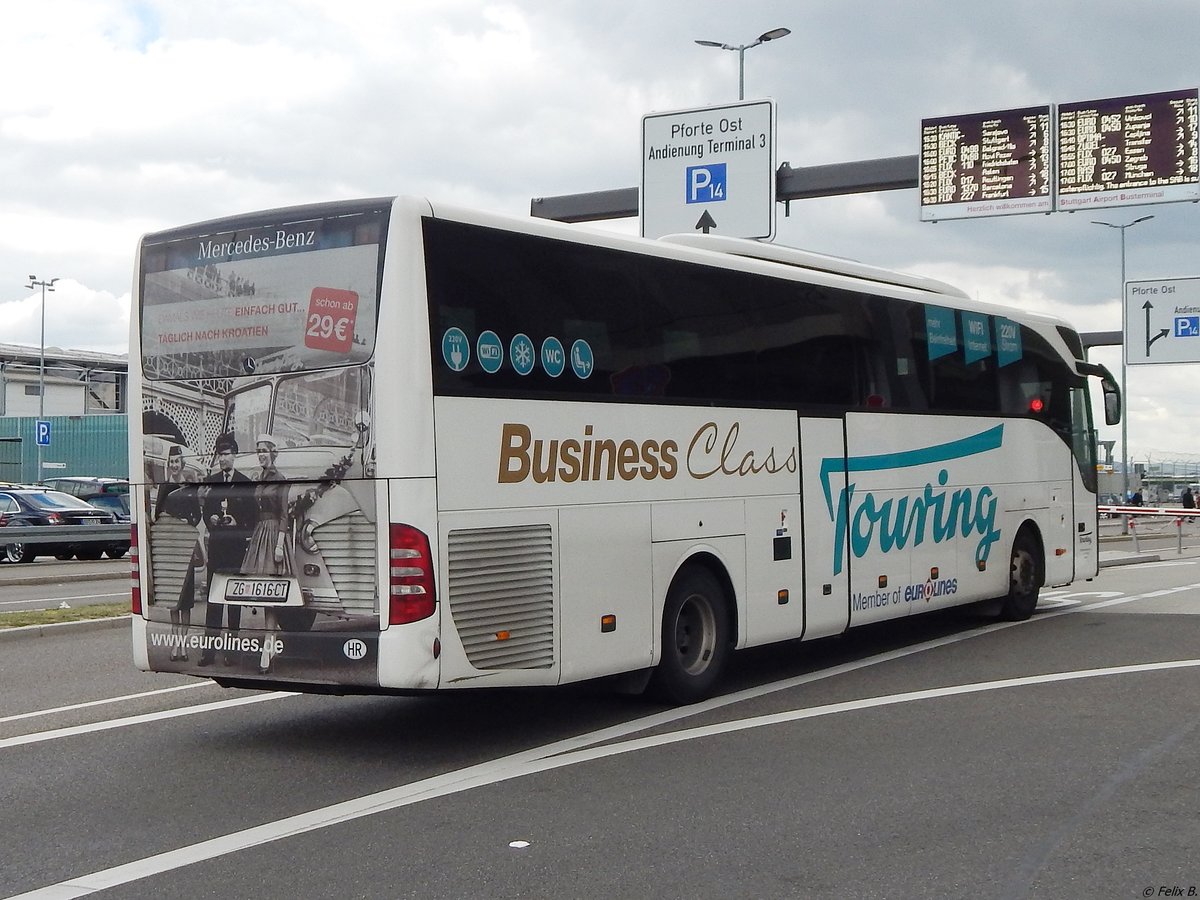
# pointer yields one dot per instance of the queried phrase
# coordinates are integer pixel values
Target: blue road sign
(42, 429)
(706, 184)
(1187, 326)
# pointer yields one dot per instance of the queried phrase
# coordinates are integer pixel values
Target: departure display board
(1128, 151)
(986, 164)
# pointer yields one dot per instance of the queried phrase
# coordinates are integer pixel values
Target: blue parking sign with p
(706, 184)
(42, 433)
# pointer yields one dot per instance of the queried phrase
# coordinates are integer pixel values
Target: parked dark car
(118, 505)
(85, 485)
(38, 506)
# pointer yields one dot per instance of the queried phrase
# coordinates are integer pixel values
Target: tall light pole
(1124, 355)
(773, 35)
(45, 286)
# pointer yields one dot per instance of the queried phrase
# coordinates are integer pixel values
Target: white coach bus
(425, 448)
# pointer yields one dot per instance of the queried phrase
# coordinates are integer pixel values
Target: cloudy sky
(123, 117)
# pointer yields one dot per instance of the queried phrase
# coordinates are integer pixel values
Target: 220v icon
(266, 590)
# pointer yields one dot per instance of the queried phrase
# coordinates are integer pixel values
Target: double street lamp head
(773, 35)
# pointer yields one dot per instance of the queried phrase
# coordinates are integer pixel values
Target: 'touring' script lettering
(933, 512)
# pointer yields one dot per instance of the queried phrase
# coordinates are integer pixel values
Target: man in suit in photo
(228, 509)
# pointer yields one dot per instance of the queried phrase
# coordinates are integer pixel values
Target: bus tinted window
(664, 330)
(657, 328)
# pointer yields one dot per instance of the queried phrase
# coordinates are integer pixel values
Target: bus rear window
(270, 297)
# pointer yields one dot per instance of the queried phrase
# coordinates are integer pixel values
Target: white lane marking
(515, 766)
(462, 780)
(105, 701)
(1058, 602)
(124, 593)
(40, 736)
(1046, 611)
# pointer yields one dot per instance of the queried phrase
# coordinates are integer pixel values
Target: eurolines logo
(935, 513)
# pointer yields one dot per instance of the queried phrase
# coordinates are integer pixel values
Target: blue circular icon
(554, 358)
(581, 358)
(456, 349)
(490, 352)
(522, 354)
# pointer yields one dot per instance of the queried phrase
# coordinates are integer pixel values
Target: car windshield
(55, 500)
(118, 503)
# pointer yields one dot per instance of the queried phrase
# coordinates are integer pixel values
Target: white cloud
(133, 116)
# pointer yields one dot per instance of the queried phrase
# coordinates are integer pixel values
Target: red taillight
(134, 573)
(411, 577)
(53, 519)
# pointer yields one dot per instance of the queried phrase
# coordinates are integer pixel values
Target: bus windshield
(278, 297)
(319, 410)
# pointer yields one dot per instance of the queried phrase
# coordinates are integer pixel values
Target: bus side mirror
(1108, 384)
(1112, 405)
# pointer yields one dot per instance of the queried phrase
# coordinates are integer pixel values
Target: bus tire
(695, 638)
(1024, 582)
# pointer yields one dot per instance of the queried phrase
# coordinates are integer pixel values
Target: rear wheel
(695, 638)
(116, 551)
(64, 556)
(19, 553)
(89, 553)
(1025, 579)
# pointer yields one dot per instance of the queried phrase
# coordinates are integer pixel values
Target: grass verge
(74, 614)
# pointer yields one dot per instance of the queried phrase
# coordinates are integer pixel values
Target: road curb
(57, 628)
(1130, 560)
(64, 579)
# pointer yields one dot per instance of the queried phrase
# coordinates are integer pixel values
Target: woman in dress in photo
(176, 520)
(269, 551)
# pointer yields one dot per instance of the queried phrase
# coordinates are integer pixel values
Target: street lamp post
(45, 286)
(773, 35)
(1124, 355)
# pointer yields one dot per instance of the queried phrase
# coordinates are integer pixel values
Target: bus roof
(807, 259)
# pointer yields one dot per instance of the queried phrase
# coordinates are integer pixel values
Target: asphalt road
(942, 756)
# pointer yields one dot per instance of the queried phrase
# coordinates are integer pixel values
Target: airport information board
(1120, 151)
(986, 164)
(1128, 151)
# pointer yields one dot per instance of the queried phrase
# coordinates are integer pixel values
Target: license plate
(264, 590)
(91, 521)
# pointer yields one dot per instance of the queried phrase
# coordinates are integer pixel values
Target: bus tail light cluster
(411, 579)
(135, 571)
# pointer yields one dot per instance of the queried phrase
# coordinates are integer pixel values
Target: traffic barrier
(1133, 513)
(75, 534)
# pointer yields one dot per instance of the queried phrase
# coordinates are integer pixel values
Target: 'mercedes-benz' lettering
(255, 244)
(712, 450)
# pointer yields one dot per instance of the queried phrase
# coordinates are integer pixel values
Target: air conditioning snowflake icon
(523, 356)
